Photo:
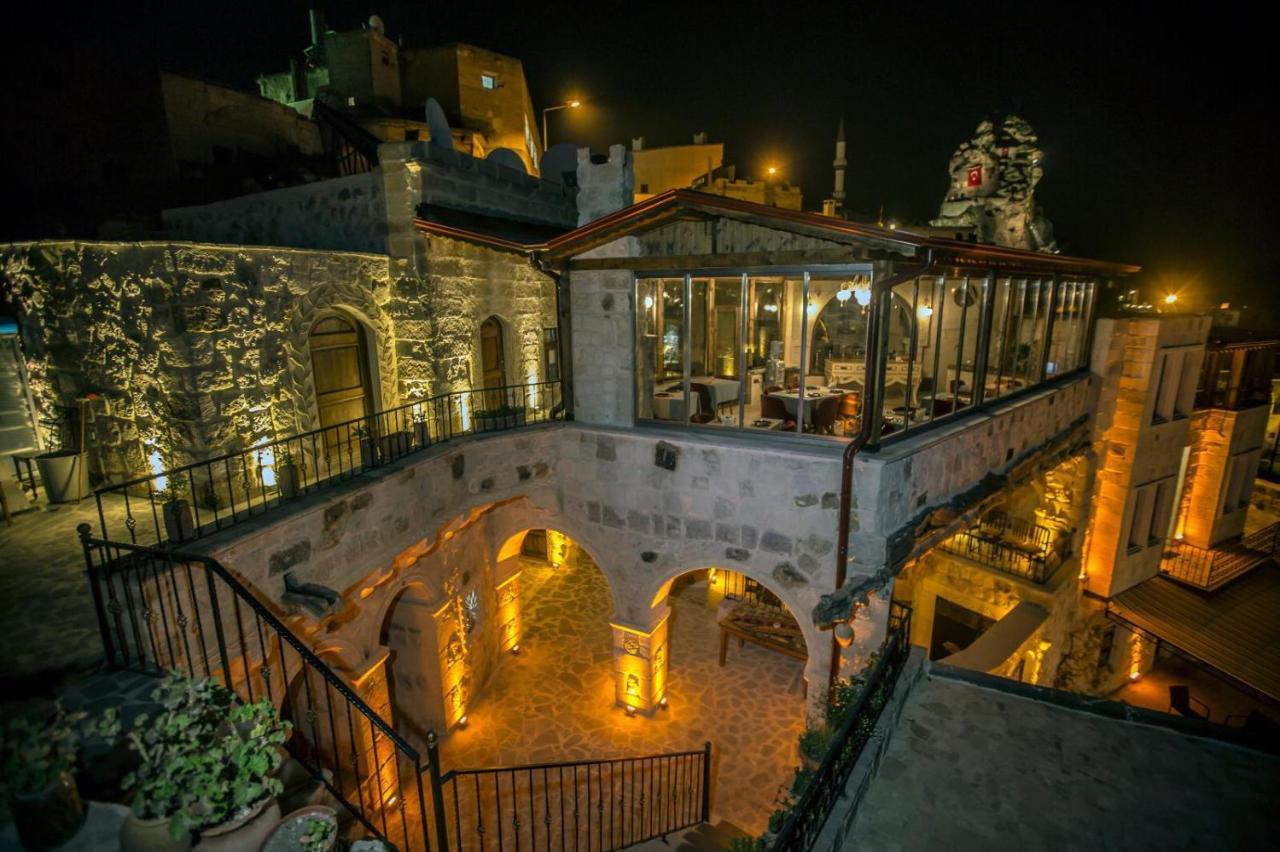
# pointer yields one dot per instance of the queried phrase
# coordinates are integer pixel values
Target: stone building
(816, 425)
(383, 87)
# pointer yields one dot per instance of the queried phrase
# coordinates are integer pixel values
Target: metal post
(84, 530)
(217, 627)
(706, 782)
(437, 791)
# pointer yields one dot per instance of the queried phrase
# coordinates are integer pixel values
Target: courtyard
(554, 701)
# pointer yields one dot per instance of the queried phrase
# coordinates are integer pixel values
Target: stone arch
(817, 643)
(359, 304)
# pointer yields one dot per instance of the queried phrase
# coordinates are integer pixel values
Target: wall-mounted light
(771, 308)
(862, 295)
(812, 309)
(843, 296)
(925, 311)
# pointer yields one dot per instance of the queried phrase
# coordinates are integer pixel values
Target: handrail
(801, 830)
(197, 499)
(155, 602)
(610, 803)
(1211, 568)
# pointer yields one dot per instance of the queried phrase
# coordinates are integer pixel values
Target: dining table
(813, 394)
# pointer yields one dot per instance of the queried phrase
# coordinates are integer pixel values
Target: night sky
(1156, 123)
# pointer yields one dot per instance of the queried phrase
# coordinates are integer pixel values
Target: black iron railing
(828, 784)
(161, 611)
(1212, 569)
(193, 501)
(587, 804)
(1030, 552)
(28, 482)
(1041, 538)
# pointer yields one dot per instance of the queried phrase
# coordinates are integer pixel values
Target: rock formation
(993, 181)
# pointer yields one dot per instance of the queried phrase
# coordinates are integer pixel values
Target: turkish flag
(975, 176)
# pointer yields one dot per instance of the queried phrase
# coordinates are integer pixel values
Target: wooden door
(340, 370)
(492, 354)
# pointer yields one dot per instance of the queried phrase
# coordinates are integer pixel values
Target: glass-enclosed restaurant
(786, 350)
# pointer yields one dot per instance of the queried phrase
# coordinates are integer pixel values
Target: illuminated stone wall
(1216, 437)
(200, 349)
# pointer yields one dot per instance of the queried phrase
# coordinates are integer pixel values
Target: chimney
(605, 183)
(637, 144)
(700, 138)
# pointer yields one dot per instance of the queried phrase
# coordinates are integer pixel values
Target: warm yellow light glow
(772, 170)
(663, 703)
(575, 103)
(925, 311)
(1171, 298)
(1134, 675)
(462, 721)
(515, 649)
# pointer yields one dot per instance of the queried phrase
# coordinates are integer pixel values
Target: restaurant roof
(686, 204)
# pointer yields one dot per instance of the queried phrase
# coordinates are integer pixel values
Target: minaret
(839, 164)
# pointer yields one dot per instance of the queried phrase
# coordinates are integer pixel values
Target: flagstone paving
(555, 700)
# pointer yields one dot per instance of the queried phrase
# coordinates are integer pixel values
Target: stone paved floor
(1152, 691)
(50, 627)
(554, 701)
(971, 768)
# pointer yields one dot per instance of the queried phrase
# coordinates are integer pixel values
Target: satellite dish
(507, 157)
(560, 164)
(438, 125)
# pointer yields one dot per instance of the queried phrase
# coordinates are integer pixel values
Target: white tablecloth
(790, 398)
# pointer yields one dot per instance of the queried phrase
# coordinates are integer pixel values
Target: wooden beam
(809, 257)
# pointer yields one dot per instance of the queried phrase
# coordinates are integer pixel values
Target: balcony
(1011, 546)
(1211, 569)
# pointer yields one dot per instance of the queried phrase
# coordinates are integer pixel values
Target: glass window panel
(716, 380)
(772, 326)
(997, 379)
(659, 354)
(966, 294)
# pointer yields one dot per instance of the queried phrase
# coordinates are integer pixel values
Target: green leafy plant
(317, 833)
(36, 753)
(748, 844)
(170, 745)
(814, 742)
(233, 775)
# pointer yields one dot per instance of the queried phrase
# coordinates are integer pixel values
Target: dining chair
(703, 393)
(775, 409)
(825, 413)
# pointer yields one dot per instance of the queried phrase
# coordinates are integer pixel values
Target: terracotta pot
(287, 835)
(50, 817)
(150, 835)
(246, 834)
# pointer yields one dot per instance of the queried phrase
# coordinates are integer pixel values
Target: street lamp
(573, 104)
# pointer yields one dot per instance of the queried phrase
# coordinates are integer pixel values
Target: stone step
(703, 837)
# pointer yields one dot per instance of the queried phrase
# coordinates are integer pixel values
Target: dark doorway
(492, 354)
(955, 628)
(340, 369)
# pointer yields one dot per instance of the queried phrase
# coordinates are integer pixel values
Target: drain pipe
(869, 404)
(563, 337)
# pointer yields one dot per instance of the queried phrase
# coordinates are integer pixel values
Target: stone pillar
(508, 612)
(557, 548)
(605, 184)
(640, 654)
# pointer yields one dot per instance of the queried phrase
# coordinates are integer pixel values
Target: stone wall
(1134, 448)
(1216, 437)
(342, 214)
(767, 515)
(201, 349)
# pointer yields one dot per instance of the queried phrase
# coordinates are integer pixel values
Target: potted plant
(234, 785)
(60, 473)
(502, 417)
(288, 473)
(421, 431)
(814, 744)
(179, 523)
(37, 757)
(169, 746)
(310, 829)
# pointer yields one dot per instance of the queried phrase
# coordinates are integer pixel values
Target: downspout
(562, 338)
(869, 404)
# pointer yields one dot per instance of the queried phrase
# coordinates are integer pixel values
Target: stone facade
(1217, 437)
(1138, 446)
(201, 349)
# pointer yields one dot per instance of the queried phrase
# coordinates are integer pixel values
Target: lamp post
(573, 104)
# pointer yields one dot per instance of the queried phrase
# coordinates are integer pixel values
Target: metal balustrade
(801, 830)
(189, 502)
(1213, 568)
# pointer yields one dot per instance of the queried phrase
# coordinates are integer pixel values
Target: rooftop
(974, 767)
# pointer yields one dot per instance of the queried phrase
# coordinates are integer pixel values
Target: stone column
(508, 611)
(640, 654)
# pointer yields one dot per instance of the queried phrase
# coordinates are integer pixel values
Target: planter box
(498, 422)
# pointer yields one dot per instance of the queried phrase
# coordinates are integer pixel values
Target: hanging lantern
(844, 634)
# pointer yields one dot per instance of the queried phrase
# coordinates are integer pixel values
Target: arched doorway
(340, 368)
(493, 356)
